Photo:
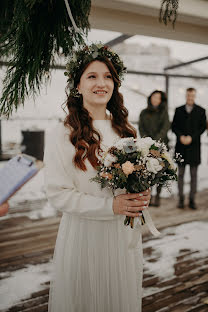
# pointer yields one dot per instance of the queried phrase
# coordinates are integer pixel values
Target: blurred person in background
(154, 123)
(4, 208)
(189, 123)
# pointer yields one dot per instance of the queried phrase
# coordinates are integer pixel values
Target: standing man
(189, 123)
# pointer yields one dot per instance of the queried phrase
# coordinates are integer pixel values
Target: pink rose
(128, 167)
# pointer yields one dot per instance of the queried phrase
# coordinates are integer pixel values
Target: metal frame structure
(166, 76)
(187, 63)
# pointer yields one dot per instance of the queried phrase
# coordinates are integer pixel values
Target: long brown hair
(83, 135)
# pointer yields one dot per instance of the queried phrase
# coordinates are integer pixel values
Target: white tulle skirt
(94, 268)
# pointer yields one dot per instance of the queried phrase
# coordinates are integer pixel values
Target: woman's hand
(130, 204)
(4, 209)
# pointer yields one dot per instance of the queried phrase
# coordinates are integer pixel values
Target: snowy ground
(174, 239)
(165, 249)
(31, 279)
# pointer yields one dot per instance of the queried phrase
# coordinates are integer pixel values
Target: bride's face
(96, 84)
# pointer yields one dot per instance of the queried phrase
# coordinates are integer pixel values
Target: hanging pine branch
(168, 11)
(32, 33)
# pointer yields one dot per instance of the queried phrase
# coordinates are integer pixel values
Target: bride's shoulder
(60, 133)
(59, 130)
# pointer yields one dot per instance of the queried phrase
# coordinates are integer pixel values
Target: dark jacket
(154, 122)
(193, 124)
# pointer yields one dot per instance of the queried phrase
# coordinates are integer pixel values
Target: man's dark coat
(193, 124)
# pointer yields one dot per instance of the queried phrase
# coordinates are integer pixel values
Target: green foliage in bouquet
(32, 33)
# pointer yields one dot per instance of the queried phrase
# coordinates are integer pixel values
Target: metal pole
(165, 74)
(186, 63)
(0, 142)
(118, 40)
(167, 87)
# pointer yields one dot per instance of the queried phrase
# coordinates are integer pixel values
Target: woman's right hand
(130, 204)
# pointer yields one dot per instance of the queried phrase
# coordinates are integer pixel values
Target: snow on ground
(32, 190)
(45, 212)
(19, 285)
(167, 248)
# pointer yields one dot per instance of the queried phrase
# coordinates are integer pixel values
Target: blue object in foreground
(14, 174)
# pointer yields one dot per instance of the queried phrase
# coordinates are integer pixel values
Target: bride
(94, 268)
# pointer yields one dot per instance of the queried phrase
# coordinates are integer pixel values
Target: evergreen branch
(37, 30)
(168, 11)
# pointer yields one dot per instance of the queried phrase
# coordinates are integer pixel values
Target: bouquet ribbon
(136, 230)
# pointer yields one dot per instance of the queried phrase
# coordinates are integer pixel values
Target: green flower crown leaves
(87, 54)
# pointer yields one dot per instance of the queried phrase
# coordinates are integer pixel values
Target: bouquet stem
(130, 221)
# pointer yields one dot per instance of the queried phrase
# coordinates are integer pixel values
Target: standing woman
(154, 123)
(94, 268)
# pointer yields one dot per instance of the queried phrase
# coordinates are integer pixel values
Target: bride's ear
(78, 88)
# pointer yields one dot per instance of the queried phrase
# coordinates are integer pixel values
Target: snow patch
(22, 283)
(167, 248)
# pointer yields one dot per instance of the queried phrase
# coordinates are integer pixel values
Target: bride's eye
(109, 76)
(91, 76)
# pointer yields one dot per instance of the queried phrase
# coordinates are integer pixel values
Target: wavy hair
(85, 138)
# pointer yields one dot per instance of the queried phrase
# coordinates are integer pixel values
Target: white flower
(74, 58)
(144, 145)
(119, 144)
(95, 54)
(167, 156)
(148, 141)
(153, 165)
(99, 45)
(109, 159)
(71, 84)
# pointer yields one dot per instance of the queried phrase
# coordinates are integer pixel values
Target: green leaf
(154, 147)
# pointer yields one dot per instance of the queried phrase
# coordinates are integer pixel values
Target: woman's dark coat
(193, 124)
(154, 122)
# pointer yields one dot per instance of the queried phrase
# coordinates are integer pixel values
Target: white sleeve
(60, 187)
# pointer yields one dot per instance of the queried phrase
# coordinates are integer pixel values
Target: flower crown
(87, 54)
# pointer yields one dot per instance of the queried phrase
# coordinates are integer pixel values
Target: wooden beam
(136, 23)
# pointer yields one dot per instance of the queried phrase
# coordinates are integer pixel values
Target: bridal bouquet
(135, 165)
